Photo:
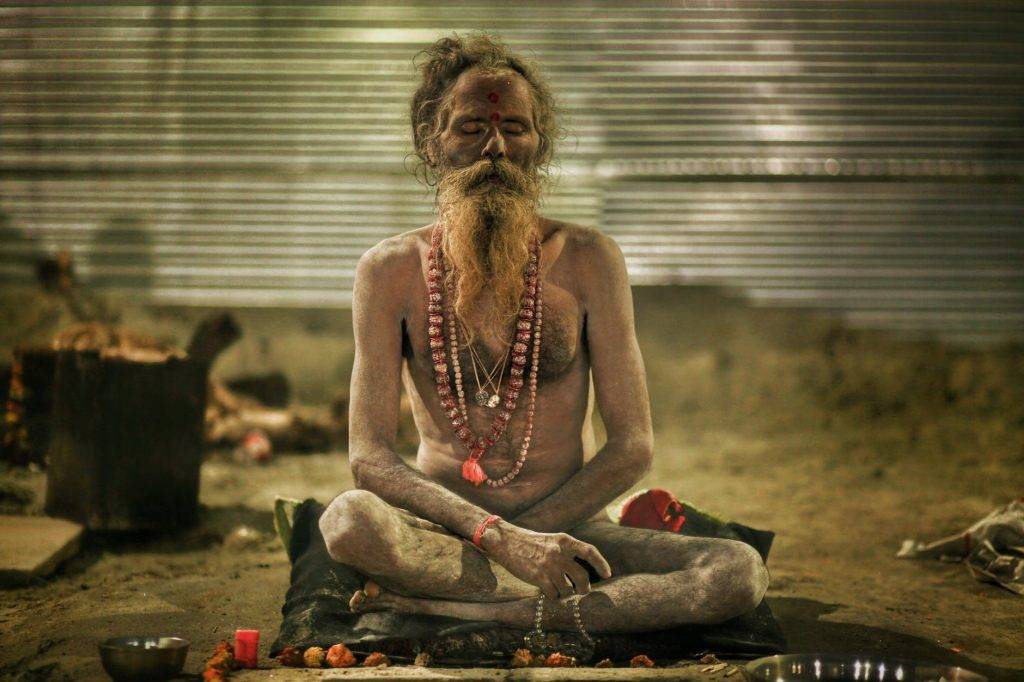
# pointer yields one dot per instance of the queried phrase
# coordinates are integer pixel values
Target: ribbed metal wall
(857, 156)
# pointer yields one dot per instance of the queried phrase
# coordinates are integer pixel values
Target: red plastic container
(247, 647)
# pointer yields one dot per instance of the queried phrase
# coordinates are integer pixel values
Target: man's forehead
(502, 89)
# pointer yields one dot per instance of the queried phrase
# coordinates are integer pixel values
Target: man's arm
(621, 389)
(383, 277)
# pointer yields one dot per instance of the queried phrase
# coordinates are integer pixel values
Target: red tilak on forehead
(495, 116)
(493, 96)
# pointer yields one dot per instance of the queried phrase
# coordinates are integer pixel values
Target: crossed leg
(659, 580)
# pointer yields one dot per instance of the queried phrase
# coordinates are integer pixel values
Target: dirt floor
(844, 443)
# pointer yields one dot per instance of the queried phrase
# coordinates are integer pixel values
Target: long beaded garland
(528, 328)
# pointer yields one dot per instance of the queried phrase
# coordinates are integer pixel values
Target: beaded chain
(537, 643)
(528, 328)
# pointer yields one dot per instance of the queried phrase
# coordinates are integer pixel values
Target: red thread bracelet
(478, 533)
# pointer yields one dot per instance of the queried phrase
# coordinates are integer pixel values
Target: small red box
(247, 647)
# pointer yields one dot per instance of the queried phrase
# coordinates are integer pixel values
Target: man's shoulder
(587, 246)
(387, 269)
(592, 261)
(395, 256)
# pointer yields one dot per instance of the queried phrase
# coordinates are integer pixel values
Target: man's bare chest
(562, 340)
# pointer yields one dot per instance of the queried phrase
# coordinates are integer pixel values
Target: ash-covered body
(483, 125)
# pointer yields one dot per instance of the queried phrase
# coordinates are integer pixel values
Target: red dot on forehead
(493, 96)
(495, 116)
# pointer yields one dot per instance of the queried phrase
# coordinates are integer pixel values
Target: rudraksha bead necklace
(527, 329)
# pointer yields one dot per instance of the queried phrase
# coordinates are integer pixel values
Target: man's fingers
(589, 553)
(548, 589)
(579, 576)
(565, 589)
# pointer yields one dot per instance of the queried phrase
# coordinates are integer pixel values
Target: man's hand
(547, 560)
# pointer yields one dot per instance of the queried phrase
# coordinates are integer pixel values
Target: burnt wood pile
(127, 426)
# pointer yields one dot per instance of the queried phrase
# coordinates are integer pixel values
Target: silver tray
(824, 667)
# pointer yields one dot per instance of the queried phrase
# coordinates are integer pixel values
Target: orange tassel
(473, 472)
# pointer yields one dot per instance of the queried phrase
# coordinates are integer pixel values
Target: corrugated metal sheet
(858, 156)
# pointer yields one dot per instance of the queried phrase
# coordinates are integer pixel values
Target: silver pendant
(493, 400)
(482, 398)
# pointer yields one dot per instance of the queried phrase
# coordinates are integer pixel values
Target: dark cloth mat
(315, 613)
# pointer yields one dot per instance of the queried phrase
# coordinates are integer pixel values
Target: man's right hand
(544, 559)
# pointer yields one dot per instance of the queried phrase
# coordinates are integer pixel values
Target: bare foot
(373, 598)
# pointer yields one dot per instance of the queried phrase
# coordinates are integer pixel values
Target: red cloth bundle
(656, 509)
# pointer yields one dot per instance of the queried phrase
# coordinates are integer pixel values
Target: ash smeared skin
(663, 578)
(407, 547)
(553, 510)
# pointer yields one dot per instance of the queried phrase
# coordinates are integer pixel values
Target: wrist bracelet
(478, 533)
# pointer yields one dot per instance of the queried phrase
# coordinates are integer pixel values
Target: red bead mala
(528, 327)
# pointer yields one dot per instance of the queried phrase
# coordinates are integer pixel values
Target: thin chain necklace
(482, 397)
(527, 329)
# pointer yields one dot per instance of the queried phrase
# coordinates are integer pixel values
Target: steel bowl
(134, 659)
(824, 667)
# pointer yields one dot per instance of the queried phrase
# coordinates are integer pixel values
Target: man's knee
(756, 573)
(353, 526)
(732, 580)
(744, 580)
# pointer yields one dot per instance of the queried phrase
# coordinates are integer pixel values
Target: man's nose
(495, 147)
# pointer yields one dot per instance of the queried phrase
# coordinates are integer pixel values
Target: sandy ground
(844, 444)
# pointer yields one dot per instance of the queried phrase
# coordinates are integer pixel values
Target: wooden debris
(28, 419)
(211, 337)
(271, 388)
(114, 342)
(127, 442)
(714, 668)
(230, 417)
(33, 546)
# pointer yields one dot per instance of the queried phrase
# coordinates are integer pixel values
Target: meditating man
(494, 318)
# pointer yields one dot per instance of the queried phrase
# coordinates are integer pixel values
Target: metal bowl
(143, 658)
(819, 668)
